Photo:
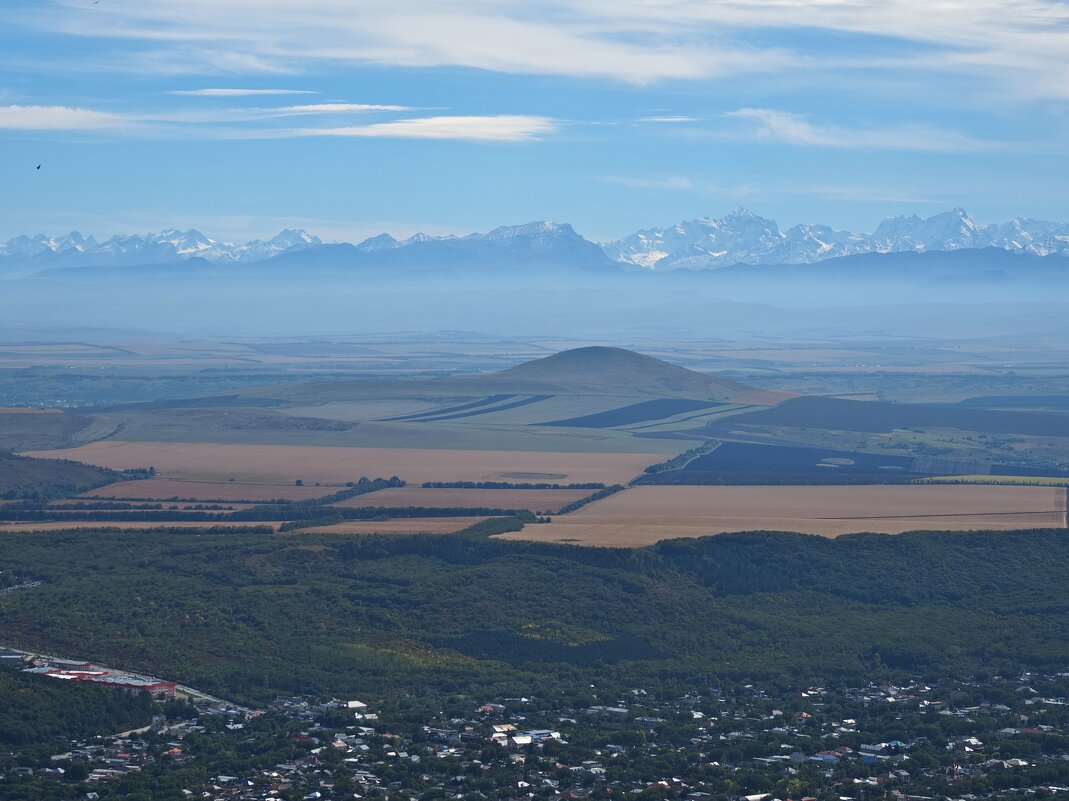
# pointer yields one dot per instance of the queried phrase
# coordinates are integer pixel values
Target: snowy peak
(951, 230)
(534, 230)
(742, 237)
(294, 237)
(419, 238)
(699, 243)
(1022, 235)
(378, 243)
(41, 244)
(170, 245)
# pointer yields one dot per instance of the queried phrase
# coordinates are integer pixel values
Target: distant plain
(299, 421)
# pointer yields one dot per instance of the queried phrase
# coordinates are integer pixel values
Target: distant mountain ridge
(539, 241)
(743, 237)
(738, 238)
(74, 249)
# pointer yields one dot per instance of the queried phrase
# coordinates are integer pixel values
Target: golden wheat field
(645, 515)
(288, 463)
(543, 501)
(160, 489)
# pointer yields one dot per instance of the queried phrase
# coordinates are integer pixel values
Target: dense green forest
(35, 709)
(248, 614)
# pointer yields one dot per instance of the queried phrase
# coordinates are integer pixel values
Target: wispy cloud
(250, 115)
(1018, 44)
(55, 118)
(671, 182)
(255, 123)
(706, 186)
(540, 37)
(494, 128)
(336, 108)
(856, 193)
(239, 92)
(771, 125)
(668, 119)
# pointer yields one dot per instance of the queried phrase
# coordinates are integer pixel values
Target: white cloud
(55, 118)
(249, 123)
(771, 125)
(239, 92)
(671, 182)
(494, 128)
(1015, 43)
(335, 108)
(541, 37)
(250, 115)
(668, 119)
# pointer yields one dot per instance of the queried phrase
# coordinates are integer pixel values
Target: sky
(353, 117)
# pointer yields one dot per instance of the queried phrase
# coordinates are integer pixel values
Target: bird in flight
(38, 166)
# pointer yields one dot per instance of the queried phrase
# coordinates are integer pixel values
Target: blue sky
(350, 117)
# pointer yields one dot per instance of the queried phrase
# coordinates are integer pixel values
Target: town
(990, 737)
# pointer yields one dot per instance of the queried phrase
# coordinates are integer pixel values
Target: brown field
(23, 410)
(545, 501)
(90, 525)
(645, 515)
(287, 463)
(159, 489)
(400, 525)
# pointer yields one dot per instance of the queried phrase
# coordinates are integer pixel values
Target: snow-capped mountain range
(538, 234)
(740, 237)
(74, 249)
(743, 237)
(171, 246)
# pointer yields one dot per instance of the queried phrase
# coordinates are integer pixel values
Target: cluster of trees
(35, 709)
(597, 496)
(94, 506)
(685, 458)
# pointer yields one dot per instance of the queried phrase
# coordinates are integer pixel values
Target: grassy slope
(248, 615)
(26, 432)
(22, 477)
